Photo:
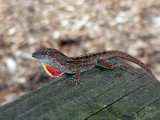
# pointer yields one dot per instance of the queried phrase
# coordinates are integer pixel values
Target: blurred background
(74, 27)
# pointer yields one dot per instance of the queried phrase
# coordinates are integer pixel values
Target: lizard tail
(115, 53)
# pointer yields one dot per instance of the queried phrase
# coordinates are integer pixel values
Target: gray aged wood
(104, 95)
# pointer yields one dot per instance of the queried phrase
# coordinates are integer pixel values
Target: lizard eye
(45, 52)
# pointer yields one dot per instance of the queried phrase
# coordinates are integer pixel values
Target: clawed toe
(77, 82)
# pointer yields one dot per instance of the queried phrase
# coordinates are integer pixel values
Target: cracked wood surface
(104, 95)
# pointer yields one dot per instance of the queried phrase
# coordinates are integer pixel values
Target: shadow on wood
(104, 95)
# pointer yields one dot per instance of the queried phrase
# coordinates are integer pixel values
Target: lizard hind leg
(103, 63)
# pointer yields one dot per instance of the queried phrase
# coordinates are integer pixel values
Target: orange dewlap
(52, 71)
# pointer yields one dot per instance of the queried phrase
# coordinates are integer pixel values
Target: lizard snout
(34, 55)
(38, 55)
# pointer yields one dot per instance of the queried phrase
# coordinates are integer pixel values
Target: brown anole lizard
(56, 63)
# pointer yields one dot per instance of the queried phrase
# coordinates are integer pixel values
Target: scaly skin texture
(56, 63)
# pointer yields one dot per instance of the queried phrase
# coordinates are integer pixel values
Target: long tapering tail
(120, 54)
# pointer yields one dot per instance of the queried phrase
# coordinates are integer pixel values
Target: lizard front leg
(77, 78)
(103, 63)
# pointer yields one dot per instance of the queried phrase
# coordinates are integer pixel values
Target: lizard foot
(128, 69)
(76, 82)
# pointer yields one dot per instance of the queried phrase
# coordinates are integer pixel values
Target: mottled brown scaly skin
(86, 62)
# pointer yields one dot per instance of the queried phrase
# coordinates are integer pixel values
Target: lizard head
(46, 54)
(48, 57)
